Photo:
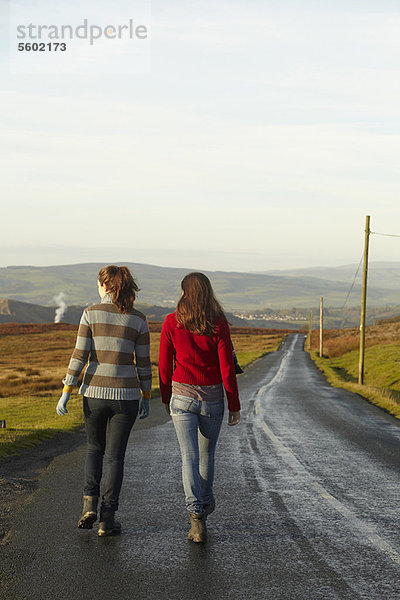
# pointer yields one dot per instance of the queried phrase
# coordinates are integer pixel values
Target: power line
(385, 234)
(354, 280)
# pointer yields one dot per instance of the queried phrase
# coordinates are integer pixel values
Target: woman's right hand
(167, 410)
(234, 417)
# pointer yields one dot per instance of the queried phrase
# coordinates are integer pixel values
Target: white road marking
(365, 529)
(276, 378)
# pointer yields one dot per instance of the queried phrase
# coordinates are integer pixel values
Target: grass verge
(33, 419)
(380, 367)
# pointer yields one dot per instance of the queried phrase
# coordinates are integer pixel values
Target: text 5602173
(42, 47)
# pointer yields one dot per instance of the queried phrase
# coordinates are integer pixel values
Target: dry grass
(34, 360)
(27, 328)
(250, 345)
(36, 364)
(340, 341)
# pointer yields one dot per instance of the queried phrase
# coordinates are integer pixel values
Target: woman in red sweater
(195, 366)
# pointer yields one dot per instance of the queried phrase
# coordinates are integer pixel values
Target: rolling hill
(161, 285)
(383, 275)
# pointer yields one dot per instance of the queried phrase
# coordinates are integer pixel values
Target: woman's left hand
(234, 417)
(144, 408)
(61, 408)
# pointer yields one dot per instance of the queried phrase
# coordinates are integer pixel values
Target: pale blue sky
(259, 138)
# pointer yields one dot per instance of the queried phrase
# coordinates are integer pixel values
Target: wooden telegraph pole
(321, 328)
(364, 303)
(309, 329)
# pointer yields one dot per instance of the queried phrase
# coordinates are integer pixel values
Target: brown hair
(198, 310)
(120, 282)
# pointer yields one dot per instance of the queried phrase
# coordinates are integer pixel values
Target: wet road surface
(307, 491)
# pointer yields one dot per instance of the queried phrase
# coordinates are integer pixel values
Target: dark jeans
(108, 425)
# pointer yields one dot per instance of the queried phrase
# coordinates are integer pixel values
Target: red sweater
(199, 360)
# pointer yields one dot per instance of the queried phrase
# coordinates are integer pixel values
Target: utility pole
(364, 303)
(309, 329)
(321, 328)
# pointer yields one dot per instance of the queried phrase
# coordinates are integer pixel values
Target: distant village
(270, 316)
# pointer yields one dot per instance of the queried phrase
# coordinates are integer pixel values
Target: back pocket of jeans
(214, 410)
(180, 405)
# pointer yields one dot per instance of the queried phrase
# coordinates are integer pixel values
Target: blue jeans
(197, 425)
(108, 425)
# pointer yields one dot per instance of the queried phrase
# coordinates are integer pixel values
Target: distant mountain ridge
(15, 311)
(161, 285)
(380, 273)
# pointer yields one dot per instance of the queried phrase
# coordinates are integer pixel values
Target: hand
(234, 417)
(62, 404)
(167, 409)
(144, 408)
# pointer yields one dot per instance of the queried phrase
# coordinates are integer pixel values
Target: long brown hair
(198, 310)
(120, 282)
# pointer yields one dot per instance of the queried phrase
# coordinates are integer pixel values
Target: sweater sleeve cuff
(145, 386)
(70, 380)
(166, 393)
(233, 404)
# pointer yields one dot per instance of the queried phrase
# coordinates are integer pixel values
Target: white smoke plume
(62, 306)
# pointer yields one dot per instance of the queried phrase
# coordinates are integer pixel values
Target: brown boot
(198, 532)
(107, 525)
(89, 512)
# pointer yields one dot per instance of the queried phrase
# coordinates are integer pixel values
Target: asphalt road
(307, 490)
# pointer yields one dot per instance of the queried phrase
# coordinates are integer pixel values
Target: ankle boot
(107, 525)
(198, 532)
(89, 512)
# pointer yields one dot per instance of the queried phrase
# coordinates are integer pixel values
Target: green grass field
(33, 365)
(33, 419)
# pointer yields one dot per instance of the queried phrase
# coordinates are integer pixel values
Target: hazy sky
(260, 136)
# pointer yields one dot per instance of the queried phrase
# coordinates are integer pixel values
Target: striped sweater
(117, 346)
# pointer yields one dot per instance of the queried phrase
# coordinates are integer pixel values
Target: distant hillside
(161, 286)
(388, 320)
(383, 275)
(14, 311)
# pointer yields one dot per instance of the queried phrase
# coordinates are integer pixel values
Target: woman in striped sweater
(114, 338)
(196, 364)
